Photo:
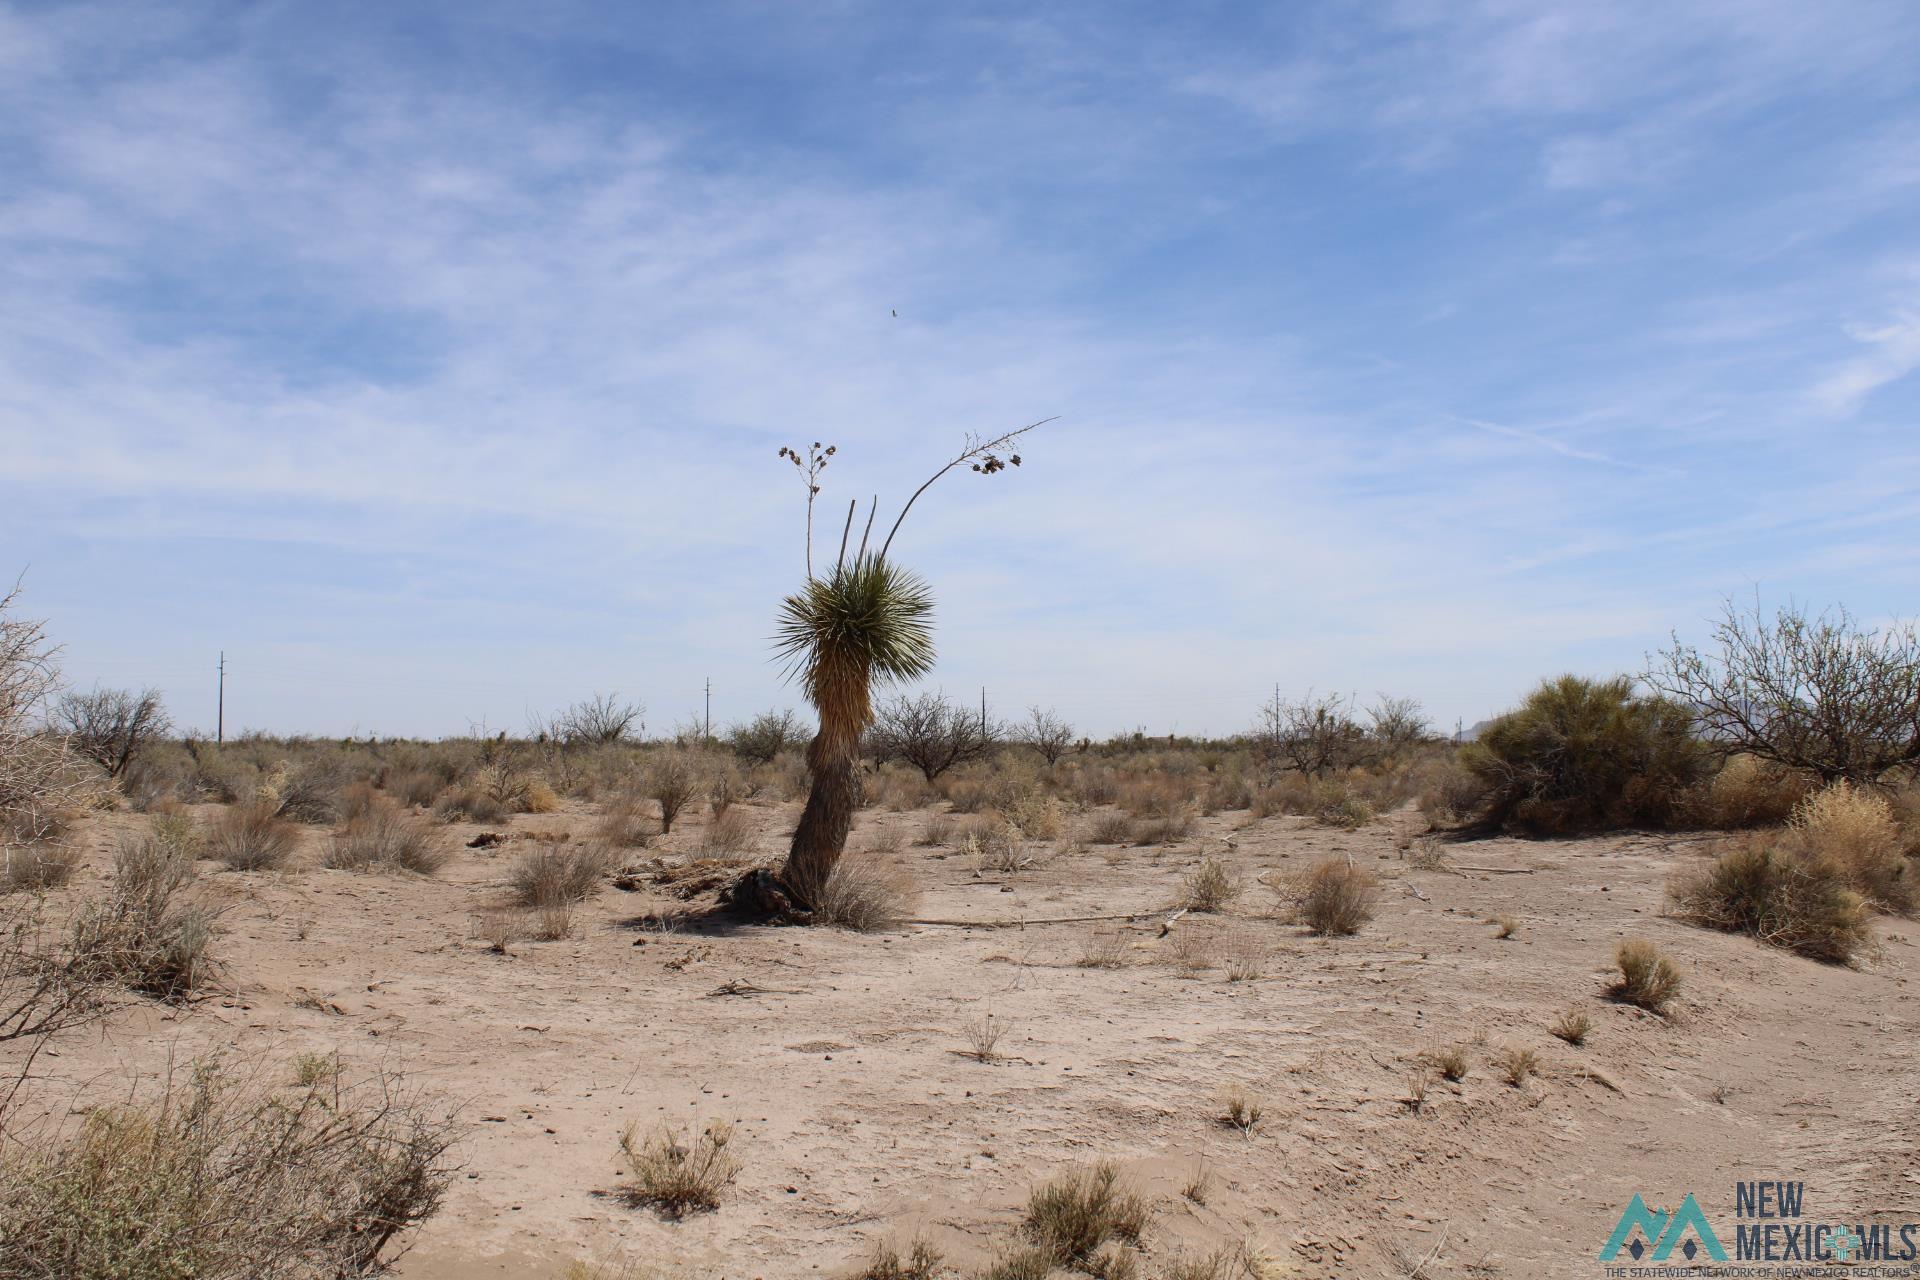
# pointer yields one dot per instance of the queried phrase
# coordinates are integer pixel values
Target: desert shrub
(354, 800)
(727, 836)
(1452, 1062)
(1314, 735)
(111, 727)
(227, 1176)
(1647, 978)
(40, 991)
(679, 1175)
(1104, 950)
(541, 798)
(37, 866)
(1572, 1026)
(414, 787)
(551, 923)
(865, 892)
(762, 739)
(1518, 1064)
(672, 778)
(1209, 886)
(983, 1035)
(726, 786)
(1333, 899)
(470, 803)
(41, 781)
(1855, 829)
(1241, 1108)
(1585, 755)
(1750, 792)
(1784, 895)
(1819, 695)
(1449, 792)
(1244, 955)
(500, 928)
(1342, 808)
(1037, 815)
(931, 733)
(1158, 797)
(1074, 1215)
(938, 831)
(922, 1261)
(1168, 830)
(1112, 828)
(384, 836)
(555, 875)
(307, 790)
(141, 936)
(625, 823)
(251, 837)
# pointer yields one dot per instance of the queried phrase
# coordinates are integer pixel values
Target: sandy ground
(861, 1122)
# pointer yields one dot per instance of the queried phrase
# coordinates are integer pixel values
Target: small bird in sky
(896, 315)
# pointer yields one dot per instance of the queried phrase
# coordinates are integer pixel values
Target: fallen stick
(1499, 871)
(1021, 924)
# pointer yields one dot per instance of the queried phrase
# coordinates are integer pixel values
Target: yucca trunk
(846, 709)
(821, 837)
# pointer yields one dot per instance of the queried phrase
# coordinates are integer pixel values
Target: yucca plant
(864, 622)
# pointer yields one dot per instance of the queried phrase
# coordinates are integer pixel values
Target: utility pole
(709, 708)
(983, 713)
(220, 714)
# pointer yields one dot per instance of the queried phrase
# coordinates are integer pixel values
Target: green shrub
(1587, 755)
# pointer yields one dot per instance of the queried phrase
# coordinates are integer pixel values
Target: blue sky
(432, 359)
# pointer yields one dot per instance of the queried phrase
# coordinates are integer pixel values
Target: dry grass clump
(1000, 849)
(678, 1175)
(1855, 830)
(225, 1174)
(1210, 886)
(1112, 828)
(552, 924)
(251, 837)
(1572, 1025)
(1780, 893)
(471, 803)
(1334, 899)
(1104, 949)
(1517, 1064)
(922, 1261)
(1238, 1262)
(383, 836)
(1244, 955)
(1748, 792)
(140, 937)
(414, 787)
(556, 875)
(1504, 927)
(38, 867)
(1169, 829)
(865, 892)
(625, 823)
(1647, 978)
(938, 831)
(983, 1035)
(1241, 1109)
(1158, 797)
(541, 798)
(1070, 1218)
(1452, 1062)
(727, 836)
(500, 928)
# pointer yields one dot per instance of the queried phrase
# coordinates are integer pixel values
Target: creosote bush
(1647, 978)
(1587, 755)
(679, 1175)
(227, 1175)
